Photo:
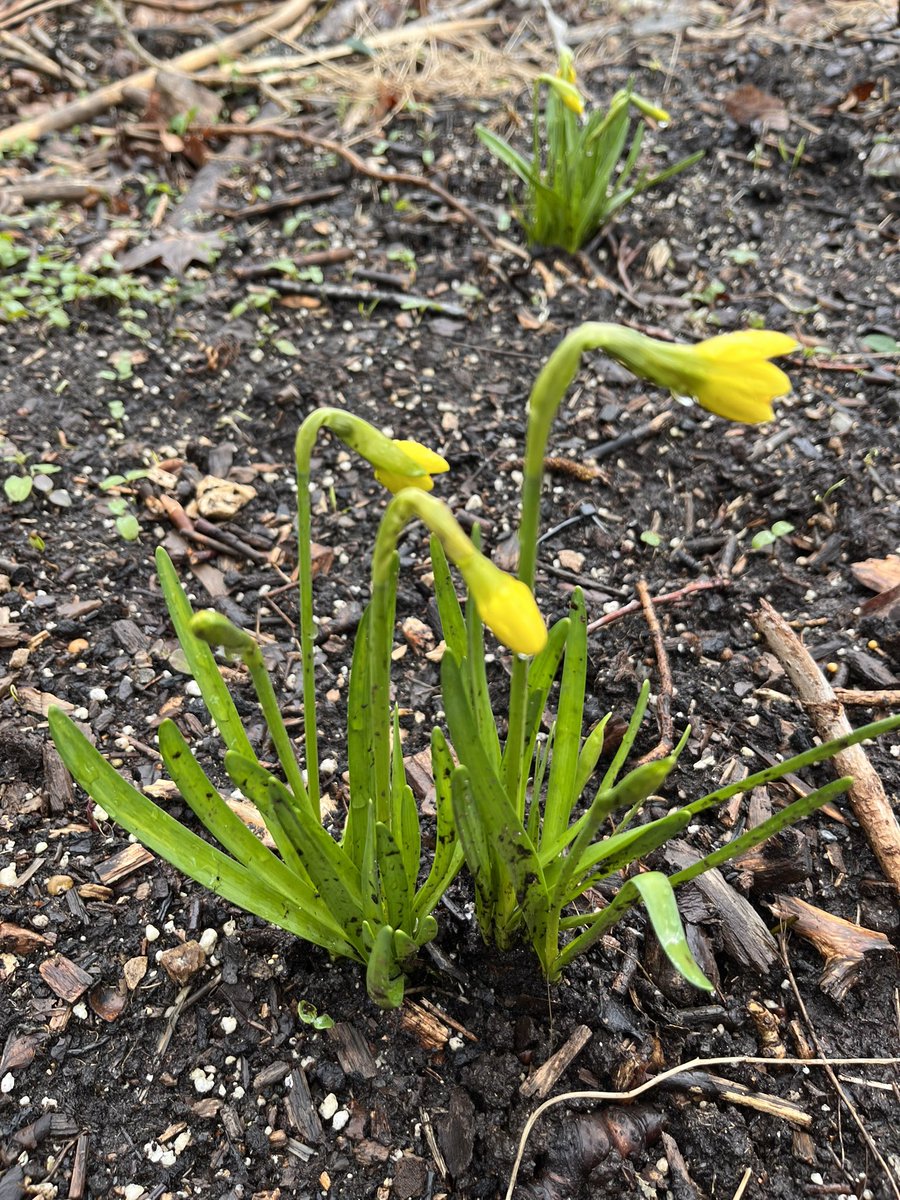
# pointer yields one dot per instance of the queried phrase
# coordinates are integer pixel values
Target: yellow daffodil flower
(430, 462)
(567, 92)
(505, 604)
(730, 375)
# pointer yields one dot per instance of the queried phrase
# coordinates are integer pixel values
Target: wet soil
(118, 1083)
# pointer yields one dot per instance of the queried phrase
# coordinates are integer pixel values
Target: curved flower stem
(546, 396)
(303, 445)
(406, 506)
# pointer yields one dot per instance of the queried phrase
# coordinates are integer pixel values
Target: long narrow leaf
(395, 889)
(384, 976)
(201, 660)
(225, 826)
(328, 867)
(165, 836)
(453, 625)
(511, 158)
(627, 741)
(561, 793)
(448, 853)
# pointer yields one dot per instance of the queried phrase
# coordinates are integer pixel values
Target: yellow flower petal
(744, 393)
(746, 345)
(505, 604)
(430, 461)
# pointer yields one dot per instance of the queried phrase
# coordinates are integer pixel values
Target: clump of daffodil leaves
(526, 814)
(579, 174)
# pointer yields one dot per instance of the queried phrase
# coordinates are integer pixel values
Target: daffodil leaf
(561, 793)
(448, 853)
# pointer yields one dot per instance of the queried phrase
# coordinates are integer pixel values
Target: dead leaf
(219, 499)
(878, 574)
(858, 94)
(176, 251)
(749, 105)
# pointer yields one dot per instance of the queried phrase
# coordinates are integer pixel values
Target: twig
(345, 291)
(651, 429)
(666, 687)
(889, 698)
(698, 585)
(835, 1082)
(192, 60)
(277, 203)
(867, 796)
(694, 1064)
(359, 165)
(315, 258)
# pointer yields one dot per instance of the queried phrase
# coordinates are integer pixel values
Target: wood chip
(353, 1051)
(181, 963)
(57, 781)
(542, 1081)
(40, 703)
(842, 943)
(134, 971)
(301, 1110)
(19, 940)
(123, 863)
(64, 978)
(428, 1031)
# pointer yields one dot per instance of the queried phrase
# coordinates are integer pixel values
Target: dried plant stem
(867, 795)
(666, 687)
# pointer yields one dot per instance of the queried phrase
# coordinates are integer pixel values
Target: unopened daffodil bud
(505, 604)
(567, 92)
(429, 461)
(566, 70)
(730, 375)
(216, 630)
(649, 109)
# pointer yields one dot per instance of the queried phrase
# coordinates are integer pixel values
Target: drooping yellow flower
(505, 604)
(730, 375)
(567, 92)
(430, 462)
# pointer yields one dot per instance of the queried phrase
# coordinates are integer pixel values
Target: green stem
(252, 656)
(547, 395)
(303, 446)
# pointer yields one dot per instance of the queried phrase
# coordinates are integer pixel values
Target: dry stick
(192, 60)
(666, 687)
(699, 585)
(363, 168)
(694, 1064)
(867, 796)
(835, 1082)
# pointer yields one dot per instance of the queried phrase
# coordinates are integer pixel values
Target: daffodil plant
(524, 811)
(537, 829)
(577, 179)
(357, 895)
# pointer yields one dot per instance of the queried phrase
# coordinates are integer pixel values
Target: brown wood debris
(842, 944)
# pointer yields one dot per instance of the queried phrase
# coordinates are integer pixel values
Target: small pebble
(151, 933)
(328, 1107)
(229, 1025)
(97, 693)
(340, 1119)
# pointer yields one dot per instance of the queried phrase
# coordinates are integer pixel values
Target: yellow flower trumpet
(430, 462)
(505, 604)
(730, 375)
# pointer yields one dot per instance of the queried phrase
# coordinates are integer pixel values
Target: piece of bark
(842, 944)
(456, 1132)
(744, 933)
(57, 781)
(19, 940)
(64, 978)
(785, 858)
(542, 1081)
(352, 1049)
(867, 795)
(429, 1032)
(123, 863)
(301, 1110)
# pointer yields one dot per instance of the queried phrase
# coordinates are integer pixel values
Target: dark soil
(202, 1091)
